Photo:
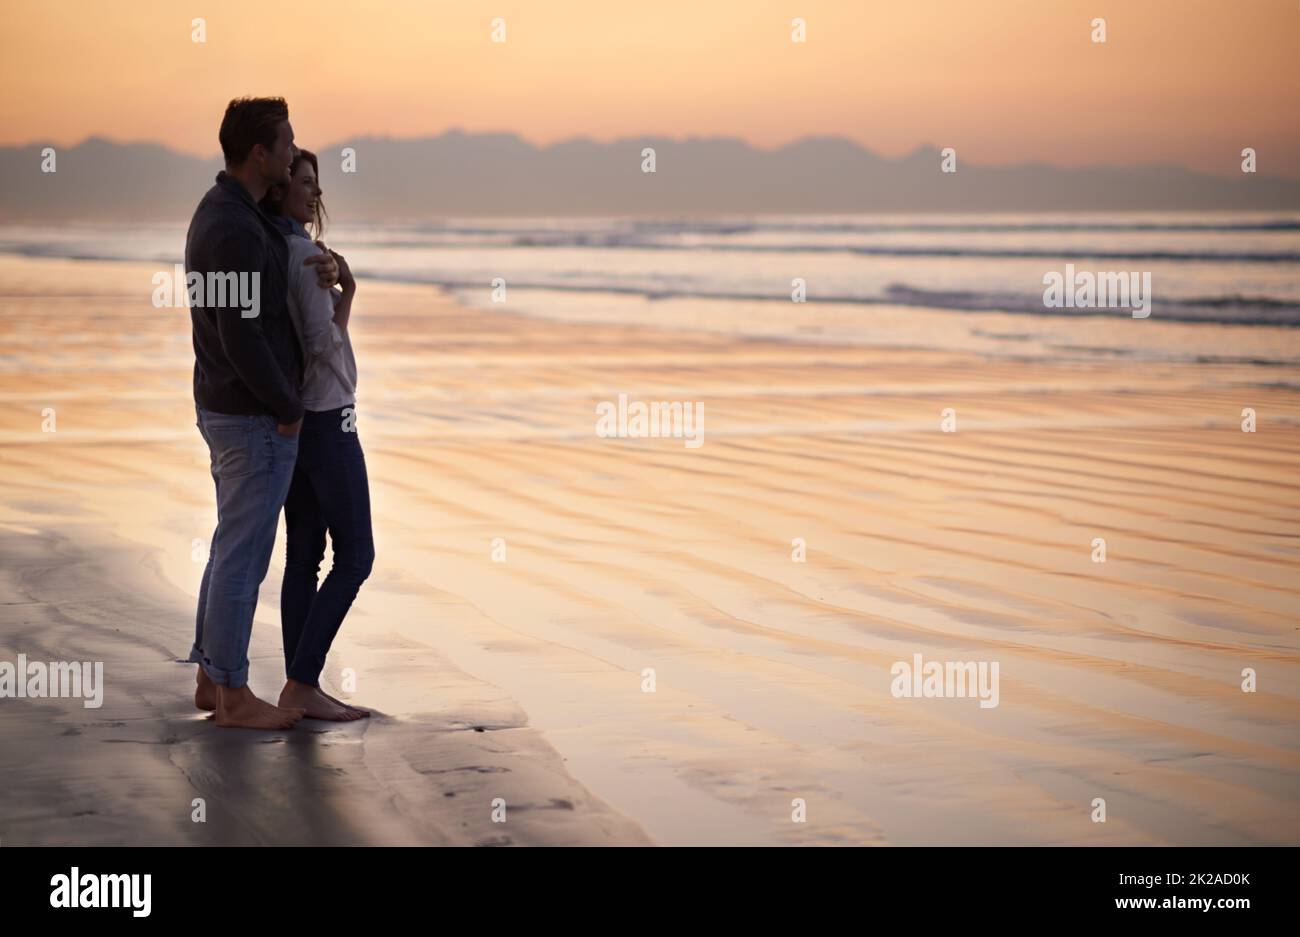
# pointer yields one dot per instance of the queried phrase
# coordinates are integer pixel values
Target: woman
(329, 491)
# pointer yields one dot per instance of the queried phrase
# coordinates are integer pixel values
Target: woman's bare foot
(317, 704)
(205, 693)
(365, 713)
(239, 708)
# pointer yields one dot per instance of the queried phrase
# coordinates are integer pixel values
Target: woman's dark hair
(272, 201)
(248, 122)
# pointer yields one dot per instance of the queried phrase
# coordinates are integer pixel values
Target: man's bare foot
(205, 693)
(316, 703)
(239, 708)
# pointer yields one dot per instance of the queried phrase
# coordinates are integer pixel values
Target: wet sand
(1119, 680)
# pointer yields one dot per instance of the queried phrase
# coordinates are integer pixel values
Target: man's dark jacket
(242, 365)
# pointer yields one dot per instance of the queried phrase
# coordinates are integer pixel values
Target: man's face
(275, 166)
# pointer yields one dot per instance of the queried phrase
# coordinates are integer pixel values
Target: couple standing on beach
(274, 397)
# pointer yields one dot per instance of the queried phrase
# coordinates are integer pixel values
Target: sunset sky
(1004, 81)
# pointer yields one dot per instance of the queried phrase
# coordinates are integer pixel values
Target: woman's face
(301, 194)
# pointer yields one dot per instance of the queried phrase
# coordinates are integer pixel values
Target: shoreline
(1085, 335)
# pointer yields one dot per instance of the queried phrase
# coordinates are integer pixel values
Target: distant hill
(459, 174)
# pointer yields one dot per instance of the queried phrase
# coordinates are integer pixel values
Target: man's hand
(289, 429)
(327, 268)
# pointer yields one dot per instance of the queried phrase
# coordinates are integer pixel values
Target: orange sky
(1183, 81)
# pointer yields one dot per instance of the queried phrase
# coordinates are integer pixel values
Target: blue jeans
(330, 492)
(252, 465)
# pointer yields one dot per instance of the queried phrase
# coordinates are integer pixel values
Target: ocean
(951, 281)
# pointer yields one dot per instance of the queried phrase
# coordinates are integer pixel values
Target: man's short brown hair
(248, 122)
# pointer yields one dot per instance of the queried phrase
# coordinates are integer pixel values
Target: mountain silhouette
(500, 174)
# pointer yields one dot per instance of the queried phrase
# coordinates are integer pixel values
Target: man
(247, 365)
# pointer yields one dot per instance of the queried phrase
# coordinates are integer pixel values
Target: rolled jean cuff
(231, 679)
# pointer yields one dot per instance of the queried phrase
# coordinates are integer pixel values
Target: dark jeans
(251, 466)
(329, 492)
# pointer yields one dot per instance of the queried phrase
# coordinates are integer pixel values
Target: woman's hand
(343, 303)
(345, 273)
